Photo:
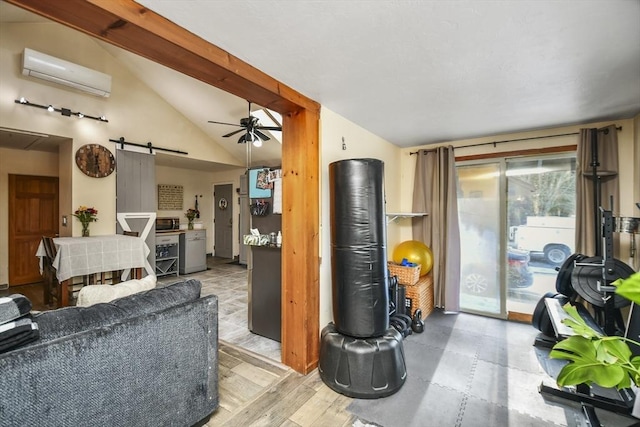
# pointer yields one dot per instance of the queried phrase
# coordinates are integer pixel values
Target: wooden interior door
(33, 213)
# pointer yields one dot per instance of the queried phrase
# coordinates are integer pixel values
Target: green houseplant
(596, 358)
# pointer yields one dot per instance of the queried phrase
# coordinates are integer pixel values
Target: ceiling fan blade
(278, 128)
(223, 123)
(232, 133)
(261, 135)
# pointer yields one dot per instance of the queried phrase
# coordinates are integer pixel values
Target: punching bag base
(363, 368)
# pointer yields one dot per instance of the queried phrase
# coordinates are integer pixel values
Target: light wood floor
(256, 391)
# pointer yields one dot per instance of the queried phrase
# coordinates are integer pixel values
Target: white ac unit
(66, 73)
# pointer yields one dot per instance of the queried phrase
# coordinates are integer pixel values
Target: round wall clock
(95, 160)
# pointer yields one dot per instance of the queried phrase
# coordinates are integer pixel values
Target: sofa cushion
(95, 294)
(69, 320)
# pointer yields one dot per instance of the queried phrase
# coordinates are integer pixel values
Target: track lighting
(64, 111)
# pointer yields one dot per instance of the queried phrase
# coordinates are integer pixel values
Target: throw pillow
(95, 294)
(16, 326)
(17, 333)
(13, 307)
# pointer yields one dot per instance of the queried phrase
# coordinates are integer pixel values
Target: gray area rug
(472, 371)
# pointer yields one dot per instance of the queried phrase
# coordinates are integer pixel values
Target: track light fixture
(64, 111)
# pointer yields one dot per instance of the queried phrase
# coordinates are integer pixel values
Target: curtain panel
(435, 192)
(605, 180)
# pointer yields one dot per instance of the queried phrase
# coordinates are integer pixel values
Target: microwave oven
(167, 224)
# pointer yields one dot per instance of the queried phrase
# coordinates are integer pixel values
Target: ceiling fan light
(257, 142)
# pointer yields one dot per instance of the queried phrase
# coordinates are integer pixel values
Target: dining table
(81, 256)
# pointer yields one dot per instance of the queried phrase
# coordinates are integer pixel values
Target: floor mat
(467, 370)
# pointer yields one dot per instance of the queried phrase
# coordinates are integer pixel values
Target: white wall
(192, 182)
(202, 183)
(133, 110)
(360, 143)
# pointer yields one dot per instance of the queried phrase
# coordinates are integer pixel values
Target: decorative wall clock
(95, 160)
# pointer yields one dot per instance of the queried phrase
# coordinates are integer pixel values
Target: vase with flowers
(191, 215)
(86, 216)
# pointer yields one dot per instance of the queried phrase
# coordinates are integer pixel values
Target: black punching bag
(359, 248)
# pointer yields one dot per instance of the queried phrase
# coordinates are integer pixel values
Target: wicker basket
(420, 296)
(406, 275)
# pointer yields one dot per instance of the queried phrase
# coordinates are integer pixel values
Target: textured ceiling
(419, 72)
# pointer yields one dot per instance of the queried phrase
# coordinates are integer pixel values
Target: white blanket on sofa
(95, 294)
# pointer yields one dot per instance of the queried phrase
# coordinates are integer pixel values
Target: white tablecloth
(78, 256)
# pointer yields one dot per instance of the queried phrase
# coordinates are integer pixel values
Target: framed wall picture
(255, 192)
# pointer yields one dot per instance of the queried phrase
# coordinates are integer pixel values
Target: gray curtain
(607, 175)
(435, 192)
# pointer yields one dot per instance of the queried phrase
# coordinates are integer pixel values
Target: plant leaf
(574, 348)
(617, 348)
(577, 323)
(589, 362)
(635, 362)
(603, 375)
(603, 355)
(629, 287)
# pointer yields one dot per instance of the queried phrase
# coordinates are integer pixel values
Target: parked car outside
(551, 236)
(481, 278)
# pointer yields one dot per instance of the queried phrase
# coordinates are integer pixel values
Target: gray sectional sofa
(149, 359)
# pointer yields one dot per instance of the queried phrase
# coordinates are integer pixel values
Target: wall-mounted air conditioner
(43, 66)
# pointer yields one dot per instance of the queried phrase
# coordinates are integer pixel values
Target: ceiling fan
(252, 127)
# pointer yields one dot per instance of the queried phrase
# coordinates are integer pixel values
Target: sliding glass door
(516, 226)
(480, 238)
(541, 206)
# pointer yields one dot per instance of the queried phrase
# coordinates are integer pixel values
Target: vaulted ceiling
(417, 72)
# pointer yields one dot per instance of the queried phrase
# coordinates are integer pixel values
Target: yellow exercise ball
(416, 252)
